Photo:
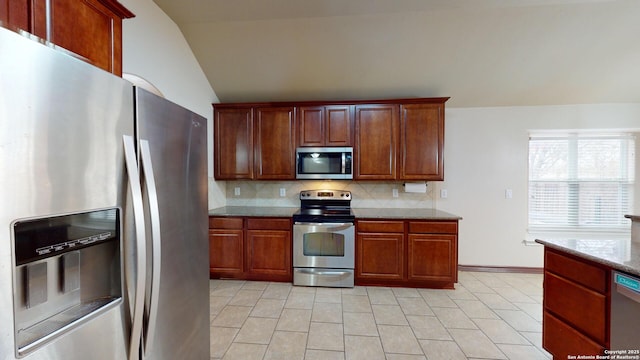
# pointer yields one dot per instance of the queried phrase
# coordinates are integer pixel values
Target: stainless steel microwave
(324, 163)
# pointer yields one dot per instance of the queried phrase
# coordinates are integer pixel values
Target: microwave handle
(344, 163)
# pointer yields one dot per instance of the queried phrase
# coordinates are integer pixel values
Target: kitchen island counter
(622, 255)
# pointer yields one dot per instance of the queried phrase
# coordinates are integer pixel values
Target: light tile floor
(487, 316)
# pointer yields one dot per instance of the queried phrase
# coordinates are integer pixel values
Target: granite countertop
(622, 255)
(397, 213)
(633, 217)
(258, 211)
(387, 213)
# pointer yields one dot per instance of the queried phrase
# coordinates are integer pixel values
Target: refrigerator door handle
(138, 213)
(154, 214)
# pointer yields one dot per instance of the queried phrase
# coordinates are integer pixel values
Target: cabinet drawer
(225, 223)
(268, 224)
(584, 308)
(581, 272)
(380, 226)
(561, 340)
(433, 227)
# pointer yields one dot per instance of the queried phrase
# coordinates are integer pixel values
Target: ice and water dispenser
(67, 270)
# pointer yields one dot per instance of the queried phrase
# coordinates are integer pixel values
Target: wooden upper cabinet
(399, 139)
(422, 142)
(274, 143)
(91, 29)
(325, 125)
(16, 14)
(233, 144)
(376, 146)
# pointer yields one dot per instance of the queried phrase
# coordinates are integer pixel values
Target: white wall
(486, 152)
(155, 50)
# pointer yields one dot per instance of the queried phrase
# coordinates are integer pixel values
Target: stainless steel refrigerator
(103, 215)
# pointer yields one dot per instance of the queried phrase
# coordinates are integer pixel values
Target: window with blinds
(580, 182)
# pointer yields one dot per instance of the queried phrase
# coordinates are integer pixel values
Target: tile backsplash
(365, 194)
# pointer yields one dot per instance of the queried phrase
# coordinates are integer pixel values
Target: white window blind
(580, 181)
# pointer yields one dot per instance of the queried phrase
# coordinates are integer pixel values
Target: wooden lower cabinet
(226, 252)
(407, 253)
(250, 248)
(268, 250)
(575, 306)
(433, 251)
(426, 255)
(380, 251)
(562, 340)
(226, 247)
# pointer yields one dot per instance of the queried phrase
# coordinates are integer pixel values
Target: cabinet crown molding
(429, 100)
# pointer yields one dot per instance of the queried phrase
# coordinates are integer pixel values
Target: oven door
(324, 245)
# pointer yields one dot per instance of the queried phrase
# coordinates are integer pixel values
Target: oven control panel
(325, 195)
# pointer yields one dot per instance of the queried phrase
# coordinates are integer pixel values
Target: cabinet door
(562, 340)
(376, 145)
(325, 125)
(233, 144)
(432, 257)
(89, 28)
(311, 125)
(274, 143)
(338, 126)
(268, 255)
(422, 141)
(584, 308)
(226, 251)
(379, 256)
(15, 14)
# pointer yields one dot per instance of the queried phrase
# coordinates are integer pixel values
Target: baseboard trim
(501, 269)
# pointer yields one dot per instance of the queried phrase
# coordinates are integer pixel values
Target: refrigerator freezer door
(178, 150)
(61, 127)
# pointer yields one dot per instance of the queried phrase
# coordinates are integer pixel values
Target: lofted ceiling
(478, 52)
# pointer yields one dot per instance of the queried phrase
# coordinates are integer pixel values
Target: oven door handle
(323, 272)
(328, 226)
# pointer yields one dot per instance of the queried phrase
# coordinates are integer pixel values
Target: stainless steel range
(324, 239)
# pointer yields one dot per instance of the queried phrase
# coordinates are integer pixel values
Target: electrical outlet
(395, 193)
(283, 192)
(236, 191)
(444, 193)
(508, 194)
